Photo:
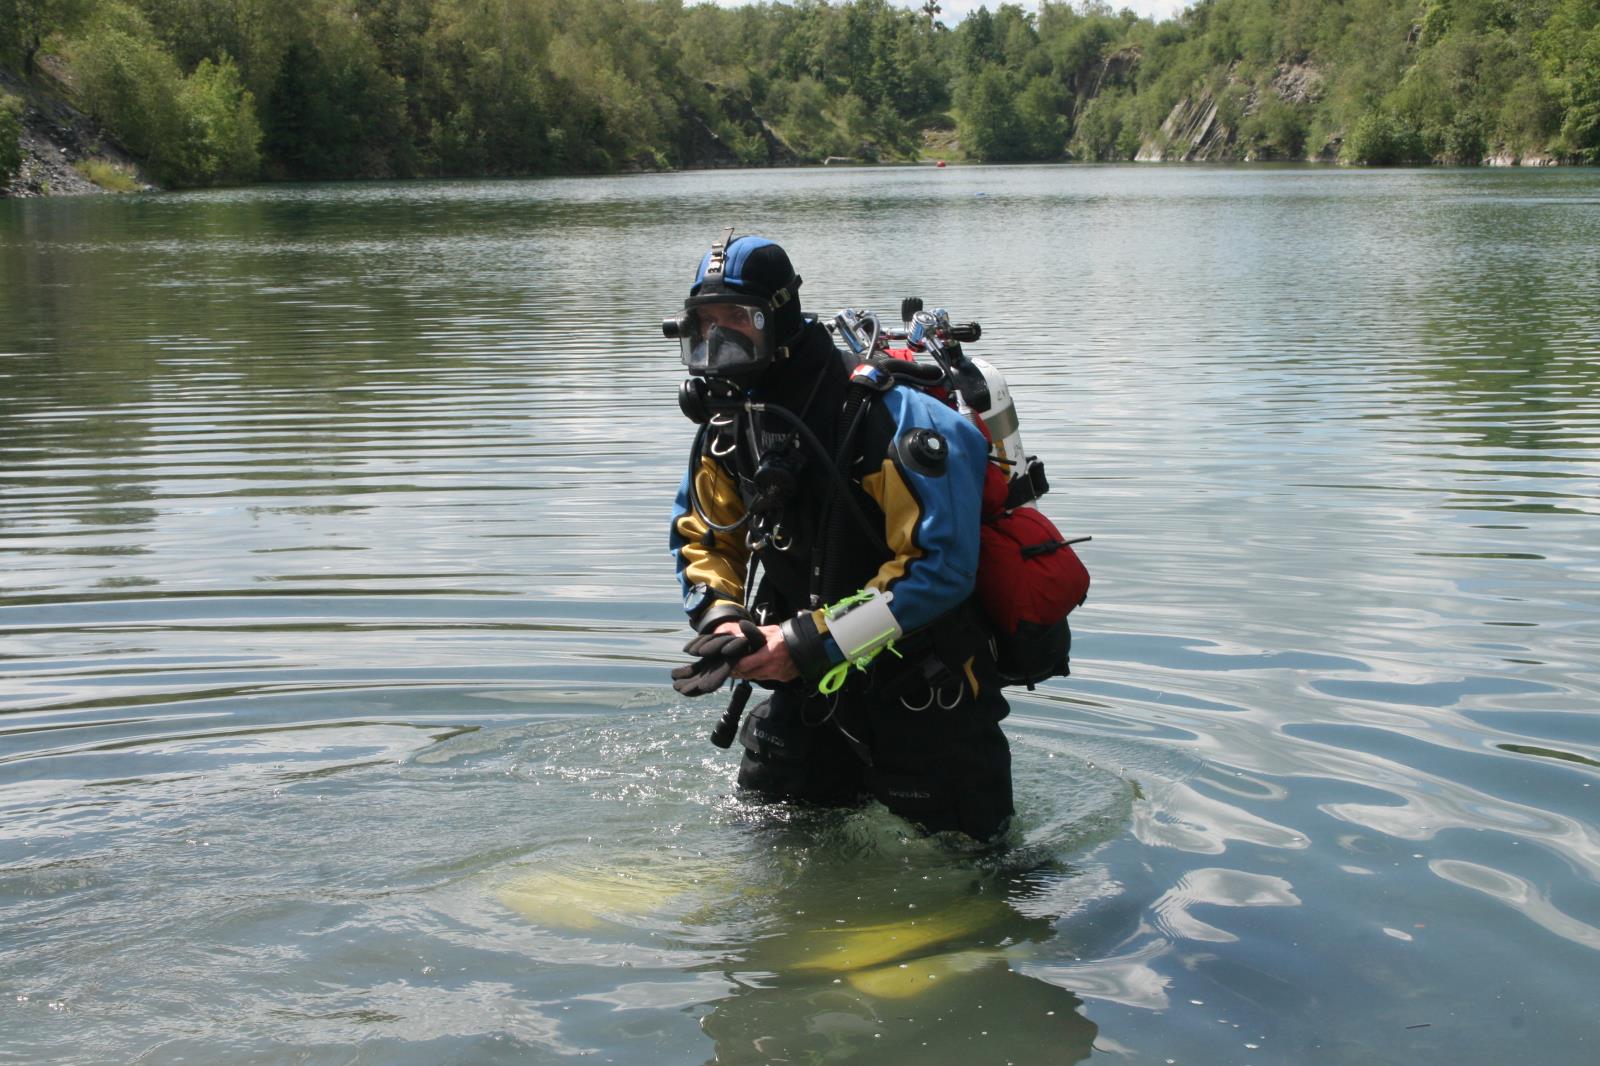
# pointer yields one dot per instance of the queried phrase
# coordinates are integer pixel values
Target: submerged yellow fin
(846, 949)
(903, 980)
(589, 899)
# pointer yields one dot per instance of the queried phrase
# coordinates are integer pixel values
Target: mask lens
(736, 317)
(724, 339)
(720, 351)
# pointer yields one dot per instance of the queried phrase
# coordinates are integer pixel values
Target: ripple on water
(580, 858)
(322, 505)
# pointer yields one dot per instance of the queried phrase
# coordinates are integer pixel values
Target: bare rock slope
(55, 136)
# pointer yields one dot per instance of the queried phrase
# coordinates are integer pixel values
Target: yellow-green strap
(834, 679)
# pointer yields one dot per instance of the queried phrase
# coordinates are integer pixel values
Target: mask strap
(785, 294)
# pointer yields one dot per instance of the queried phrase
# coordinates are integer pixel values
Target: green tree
(1530, 114)
(1381, 138)
(977, 41)
(195, 130)
(10, 138)
(333, 111)
(991, 129)
(1103, 131)
(25, 25)
(1568, 46)
(220, 140)
(1016, 41)
(493, 93)
(346, 88)
(1580, 128)
(1274, 130)
(1039, 113)
(800, 110)
(131, 84)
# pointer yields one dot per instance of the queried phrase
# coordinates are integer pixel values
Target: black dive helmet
(743, 310)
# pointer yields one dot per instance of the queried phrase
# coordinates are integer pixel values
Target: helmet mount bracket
(719, 256)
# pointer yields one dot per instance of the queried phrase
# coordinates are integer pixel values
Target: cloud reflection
(1520, 895)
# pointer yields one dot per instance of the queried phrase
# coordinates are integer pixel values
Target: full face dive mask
(728, 324)
(724, 336)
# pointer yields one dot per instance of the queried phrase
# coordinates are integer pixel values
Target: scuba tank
(973, 386)
(985, 389)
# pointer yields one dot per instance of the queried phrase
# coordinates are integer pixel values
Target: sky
(953, 11)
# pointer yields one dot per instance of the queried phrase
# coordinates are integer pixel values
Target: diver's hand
(715, 653)
(771, 662)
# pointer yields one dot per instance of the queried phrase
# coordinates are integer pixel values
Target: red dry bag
(1029, 580)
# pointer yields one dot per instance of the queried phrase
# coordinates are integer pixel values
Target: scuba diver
(827, 538)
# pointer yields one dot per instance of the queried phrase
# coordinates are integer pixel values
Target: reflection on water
(336, 611)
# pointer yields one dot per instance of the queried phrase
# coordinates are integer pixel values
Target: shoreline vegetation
(132, 94)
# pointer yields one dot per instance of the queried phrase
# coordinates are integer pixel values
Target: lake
(336, 616)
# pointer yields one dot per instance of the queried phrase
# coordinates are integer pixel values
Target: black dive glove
(715, 654)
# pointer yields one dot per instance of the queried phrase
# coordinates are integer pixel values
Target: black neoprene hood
(756, 266)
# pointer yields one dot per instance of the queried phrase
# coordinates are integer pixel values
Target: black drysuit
(918, 728)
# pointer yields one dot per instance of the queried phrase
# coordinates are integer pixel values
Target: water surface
(336, 614)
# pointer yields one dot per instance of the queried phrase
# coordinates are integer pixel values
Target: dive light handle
(727, 726)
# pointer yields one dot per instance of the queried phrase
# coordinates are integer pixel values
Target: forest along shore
(436, 88)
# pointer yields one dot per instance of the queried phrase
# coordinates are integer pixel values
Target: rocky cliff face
(702, 146)
(1191, 132)
(1298, 83)
(1195, 132)
(55, 136)
(1090, 79)
(1505, 157)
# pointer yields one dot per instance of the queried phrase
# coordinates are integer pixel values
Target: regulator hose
(696, 453)
(873, 534)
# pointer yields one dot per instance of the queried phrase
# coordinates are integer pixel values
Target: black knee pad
(772, 733)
